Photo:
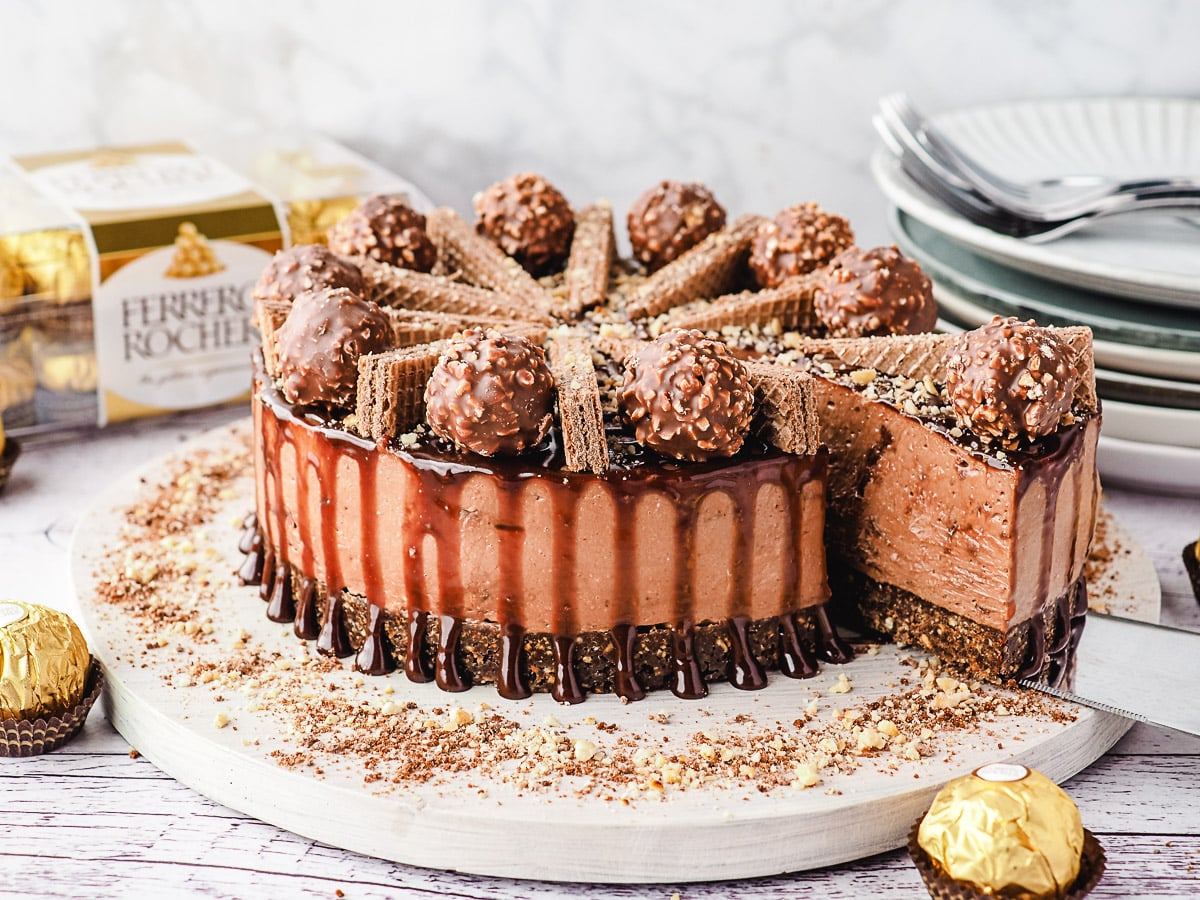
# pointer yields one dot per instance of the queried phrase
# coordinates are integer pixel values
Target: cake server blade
(1146, 672)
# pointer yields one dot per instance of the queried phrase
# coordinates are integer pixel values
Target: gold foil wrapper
(8, 458)
(1006, 829)
(55, 262)
(17, 382)
(68, 371)
(310, 220)
(12, 280)
(43, 661)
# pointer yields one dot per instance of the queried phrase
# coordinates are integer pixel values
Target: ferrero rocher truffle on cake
(520, 460)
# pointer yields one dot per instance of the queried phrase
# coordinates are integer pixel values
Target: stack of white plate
(1134, 280)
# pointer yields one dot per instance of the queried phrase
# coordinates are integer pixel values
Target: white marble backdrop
(768, 102)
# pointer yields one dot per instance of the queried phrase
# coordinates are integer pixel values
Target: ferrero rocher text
(187, 321)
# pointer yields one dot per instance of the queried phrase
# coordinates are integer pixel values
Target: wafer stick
(918, 355)
(483, 263)
(618, 349)
(411, 327)
(909, 355)
(707, 270)
(791, 303)
(591, 259)
(392, 286)
(1080, 339)
(786, 407)
(268, 316)
(391, 389)
(580, 416)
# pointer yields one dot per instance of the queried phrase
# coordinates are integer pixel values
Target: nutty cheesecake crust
(1040, 648)
(627, 661)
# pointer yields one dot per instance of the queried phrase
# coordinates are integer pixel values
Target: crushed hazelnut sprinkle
(171, 572)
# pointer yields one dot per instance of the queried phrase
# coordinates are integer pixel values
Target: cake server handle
(1146, 672)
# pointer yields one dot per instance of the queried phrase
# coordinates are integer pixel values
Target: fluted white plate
(1151, 257)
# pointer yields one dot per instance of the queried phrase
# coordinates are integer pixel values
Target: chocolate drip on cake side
(1055, 454)
(446, 671)
(333, 641)
(281, 606)
(625, 683)
(688, 681)
(267, 580)
(511, 533)
(745, 672)
(307, 622)
(373, 657)
(509, 682)
(414, 662)
(795, 660)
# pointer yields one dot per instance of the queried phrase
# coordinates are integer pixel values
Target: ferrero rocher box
(126, 273)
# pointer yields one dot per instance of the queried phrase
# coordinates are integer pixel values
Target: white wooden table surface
(89, 821)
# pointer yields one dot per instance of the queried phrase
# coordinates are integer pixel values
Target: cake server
(1146, 672)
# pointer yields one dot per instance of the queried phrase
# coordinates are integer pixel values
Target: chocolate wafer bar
(411, 327)
(709, 269)
(391, 389)
(392, 286)
(791, 304)
(918, 355)
(909, 355)
(483, 263)
(1080, 339)
(268, 316)
(591, 259)
(580, 415)
(619, 349)
(786, 407)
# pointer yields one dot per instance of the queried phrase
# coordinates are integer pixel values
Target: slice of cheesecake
(972, 549)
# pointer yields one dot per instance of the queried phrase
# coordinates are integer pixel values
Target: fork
(934, 178)
(1048, 200)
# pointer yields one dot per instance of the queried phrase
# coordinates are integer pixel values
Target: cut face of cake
(972, 549)
(609, 480)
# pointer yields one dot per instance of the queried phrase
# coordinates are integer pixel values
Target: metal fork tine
(969, 207)
(913, 148)
(928, 171)
(950, 153)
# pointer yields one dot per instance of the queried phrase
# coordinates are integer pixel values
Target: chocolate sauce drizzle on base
(625, 661)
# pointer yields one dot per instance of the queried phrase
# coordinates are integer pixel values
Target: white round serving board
(700, 834)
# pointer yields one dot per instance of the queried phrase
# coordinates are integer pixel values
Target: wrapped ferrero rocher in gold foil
(12, 280)
(1005, 831)
(43, 661)
(310, 220)
(56, 263)
(9, 451)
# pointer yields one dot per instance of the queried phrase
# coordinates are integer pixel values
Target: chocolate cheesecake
(630, 476)
(972, 549)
